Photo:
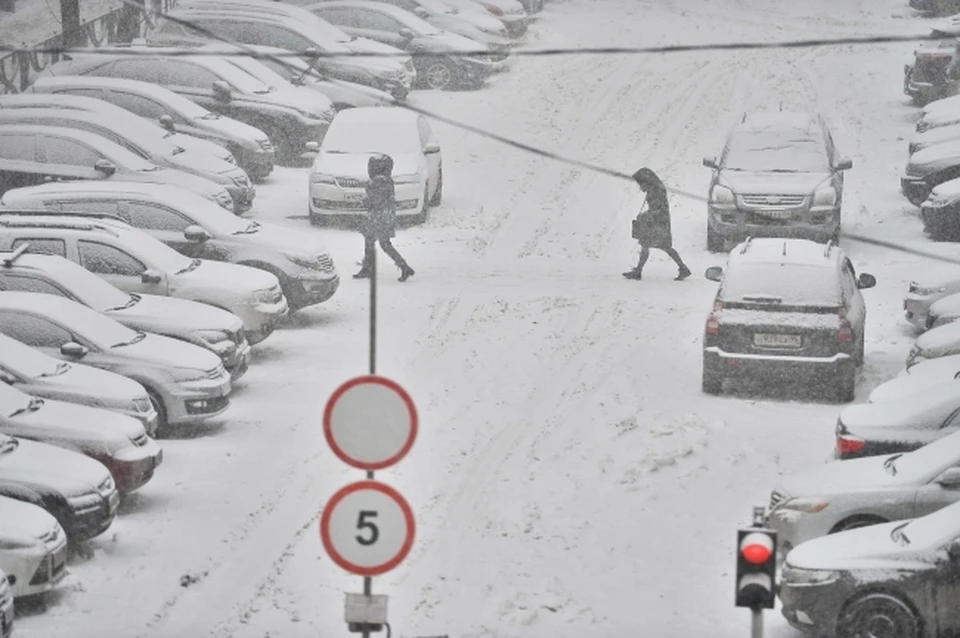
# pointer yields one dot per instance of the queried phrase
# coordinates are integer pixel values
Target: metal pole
(756, 623)
(367, 581)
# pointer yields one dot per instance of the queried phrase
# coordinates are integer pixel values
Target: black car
(250, 146)
(287, 118)
(936, 7)
(77, 491)
(927, 79)
(786, 308)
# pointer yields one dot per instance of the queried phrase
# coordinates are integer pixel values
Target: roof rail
(826, 249)
(55, 214)
(746, 244)
(22, 248)
(91, 225)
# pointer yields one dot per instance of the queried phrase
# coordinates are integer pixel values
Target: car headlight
(795, 576)
(14, 543)
(805, 505)
(927, 290)
(721, 195)
(407, 179)
(320, 178)
(825, 197)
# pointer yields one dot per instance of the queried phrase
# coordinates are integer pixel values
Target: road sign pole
(368, 581)
(756, 623)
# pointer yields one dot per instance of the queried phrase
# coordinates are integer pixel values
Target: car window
(144, 107)
(90, 206)
(794, 284)
(775, 150)
(33, 330)
(42, 246)
(274, 36)
(30, 284)
(154, 217)
(107, 260)
(377, 21)
(186, 74)
(18, 146)
(144, 70)
(339, 16)
(60, 150)
(847, 284)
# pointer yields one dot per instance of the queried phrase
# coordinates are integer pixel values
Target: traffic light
(756, 567)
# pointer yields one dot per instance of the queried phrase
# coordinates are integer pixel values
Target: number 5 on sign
(367, 528)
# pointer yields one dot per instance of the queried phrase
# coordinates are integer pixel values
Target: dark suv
(779, 176)
(786, 307)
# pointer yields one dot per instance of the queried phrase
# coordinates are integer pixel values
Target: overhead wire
(245, 50)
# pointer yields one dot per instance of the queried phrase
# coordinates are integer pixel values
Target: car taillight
(845, 333)
(713, 321)
(847, 445)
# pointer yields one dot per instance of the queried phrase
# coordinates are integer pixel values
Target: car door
(167, 225)
(19, 164)
(65, 158)
(38, 332)
(118, 267)
(933, 496)
(431, 150)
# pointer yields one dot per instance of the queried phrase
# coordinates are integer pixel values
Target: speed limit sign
(367, 528)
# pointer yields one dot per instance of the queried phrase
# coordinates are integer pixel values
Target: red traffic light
(756, 548)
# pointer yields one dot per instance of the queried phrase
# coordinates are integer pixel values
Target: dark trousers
(674, 255)
(370, 246)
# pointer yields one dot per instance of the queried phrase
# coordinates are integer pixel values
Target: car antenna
(22, 248)
(746, 245)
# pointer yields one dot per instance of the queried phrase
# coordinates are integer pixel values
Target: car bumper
(331, 199)
(735, 225)
(82, 525)
(243, 197)
(257, 164)
(309, 292)
(941, 221)
(239, 362)
(915, 189)
(729, 364)
(915, 309)
(260, 320)
(36, 570)
(195, 401)
(918, 89)
(812, 608)
(134, 467)
(794, 528)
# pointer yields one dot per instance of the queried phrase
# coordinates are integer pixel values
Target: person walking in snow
(380, 222)
(651, 228)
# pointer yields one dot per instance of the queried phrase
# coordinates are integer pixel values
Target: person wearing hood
(652, 226)
(380, 222)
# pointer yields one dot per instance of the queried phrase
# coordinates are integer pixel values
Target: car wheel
(439, 75)
(878, 615)
(160, 408)
(712, 382)
(857, 522)
(714, 241)
(847, 382)
(438, 195)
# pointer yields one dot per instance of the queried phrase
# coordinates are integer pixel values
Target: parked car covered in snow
(898, 425)
(510, 12)
(930, 168)
(934, 136)
(899, 577)
(939, 113)
(927, 78)
(940, 212)
(135, 262)
(913, 384)
(939, 342)
(922, 294)
(250, 146)
(942, 368)
(40, 375)
(185, 383)
(836, 497)
(116, 440)
(77, 491)
(338, 177)
(943, 311)
(203, 325)
(197, 229)
(478, 24)
(33, 550)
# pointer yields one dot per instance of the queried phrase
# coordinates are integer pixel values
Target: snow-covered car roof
(402, 16)
(111, 149)
(793, 121)
(760, 271)
(371, 129)
(95, 326)
(940, 336)
(90, 187)
(781, 251)
(159, 93)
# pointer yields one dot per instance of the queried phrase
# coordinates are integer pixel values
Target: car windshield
(181, 105)
(931, 530)
(332, 38)
(287, 68)
(235, 77)
(417, 25)
(156, 253)
(370, 136)
(98, 329)
(27, 361)
(786, 285)
(212, 216)
(261, 71)
(433, 6)
(776, 152)
(90, 289)
(128, 159)
(928, 461)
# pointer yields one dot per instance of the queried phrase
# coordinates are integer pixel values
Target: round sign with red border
(370, 422)
(367, 528)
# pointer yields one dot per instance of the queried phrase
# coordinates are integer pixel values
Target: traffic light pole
(756, 622)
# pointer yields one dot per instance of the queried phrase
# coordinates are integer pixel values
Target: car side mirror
(710, 162)
(7, 377)
(953, 551)
(151, 277)
(311, 53)
(167, 122)
(406, 34)
(845, 164)
(221, 91)
(714, 273)
(106, 167)
(429, 149)
(866, 280)
(73, 349)
(312, 147)
(950, 478)
(194, 233)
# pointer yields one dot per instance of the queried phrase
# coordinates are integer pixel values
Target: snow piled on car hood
(22, 521)
(838, 478)
(908, 386)
(865, 548)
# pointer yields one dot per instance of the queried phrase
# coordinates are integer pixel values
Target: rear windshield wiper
(34, 405)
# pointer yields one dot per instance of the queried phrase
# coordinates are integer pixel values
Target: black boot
(363, 274)
(633, 274)
(684, 273)
(406, 272)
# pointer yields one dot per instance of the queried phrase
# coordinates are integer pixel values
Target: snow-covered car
(927, 79)
(116, 440)
(836, 497)
(34, 153)
(922, 294)
(76, 490)
(898, 425)
(920, 141)
(943, 341)
(33, 549)
(899, 577)
(942, 368)
(217, 330)
(196, 228)
(185, 383)
(510, 12)
(940, 211)
(148, 142)
(910, 385)
(300, 73)
(478, 25)
(136, 262)
(939, 113)
(928, 169)
(40, 375)
(250, 146)
(6, 606)
(338, 177)
(943, 311)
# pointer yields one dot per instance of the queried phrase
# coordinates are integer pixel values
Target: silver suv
(779, 175)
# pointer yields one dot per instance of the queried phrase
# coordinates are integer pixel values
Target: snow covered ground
(570, 479)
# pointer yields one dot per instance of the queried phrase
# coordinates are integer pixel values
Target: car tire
(846, 381)
(437, 198)
(161, 409)
(879, 615)
(714, 241)
(439, 75)
(712, 381)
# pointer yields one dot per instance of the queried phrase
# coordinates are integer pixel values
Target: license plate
(355, 198)
(776, 214)
(777, 341)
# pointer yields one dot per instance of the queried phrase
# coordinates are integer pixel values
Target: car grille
(242, 181)
(141, 440)
(106, 486)
(266, 145)
(776, 498)
(326, 262)
(329, 204)
(142, 404)
(216, 373)
(51, 566)
(51, 535)
(350, 182)
(773, 201)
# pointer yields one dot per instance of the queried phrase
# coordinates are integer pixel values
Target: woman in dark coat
(380, 222)
(652, 227)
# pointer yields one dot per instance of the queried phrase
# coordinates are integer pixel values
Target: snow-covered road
(570, 479)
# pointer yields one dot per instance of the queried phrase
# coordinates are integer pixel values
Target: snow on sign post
(367, 528)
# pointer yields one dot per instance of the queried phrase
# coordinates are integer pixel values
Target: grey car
(779, 175)
(40, 375)
(250, 146)
(130, 132)
(186, 383)
(217, 330)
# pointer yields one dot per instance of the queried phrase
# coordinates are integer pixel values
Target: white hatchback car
(338, 178)
(33, 548)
